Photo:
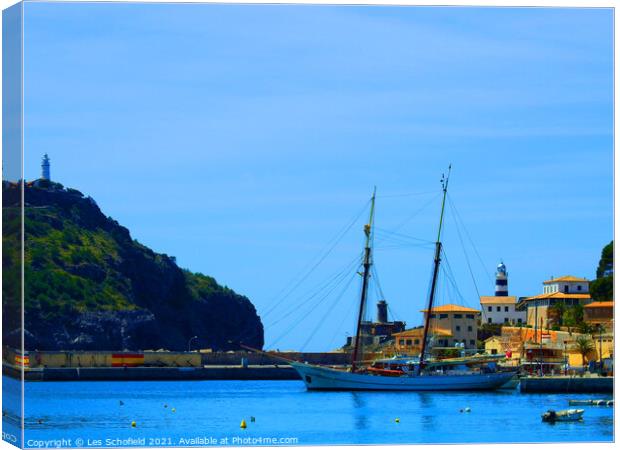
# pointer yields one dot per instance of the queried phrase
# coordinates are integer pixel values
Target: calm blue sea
(188, 413)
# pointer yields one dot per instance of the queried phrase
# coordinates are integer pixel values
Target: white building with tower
(501, 307)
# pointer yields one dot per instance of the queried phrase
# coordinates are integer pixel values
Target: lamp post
(542, 372)
(600, 346)
(189, 343)
(565, 360)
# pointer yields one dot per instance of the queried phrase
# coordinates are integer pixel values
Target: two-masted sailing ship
(421, 373)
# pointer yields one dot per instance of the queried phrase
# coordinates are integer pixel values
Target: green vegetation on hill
(67, 267)
(89, 285)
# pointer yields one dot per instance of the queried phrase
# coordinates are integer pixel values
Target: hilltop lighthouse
(45, 168)
(501, 281)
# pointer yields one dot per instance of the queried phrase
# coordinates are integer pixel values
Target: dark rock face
(106, 330)
(114, 293)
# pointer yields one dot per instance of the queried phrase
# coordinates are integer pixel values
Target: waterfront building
(549, 358)
(557, 349)
(599, 313)
(460, 321)
(567, 290)
(501, 308)
(567, 284)
(604, 344)
(410, 341)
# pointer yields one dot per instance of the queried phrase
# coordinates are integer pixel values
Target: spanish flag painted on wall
(127, 359)
(22, 360)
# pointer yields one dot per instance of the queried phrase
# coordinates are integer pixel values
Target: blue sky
(241, 139)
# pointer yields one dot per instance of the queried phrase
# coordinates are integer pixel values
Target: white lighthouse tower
(501, 281)
(45, 168)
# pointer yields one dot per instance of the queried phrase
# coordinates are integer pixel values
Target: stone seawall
(149, 358)
(568, 384)
(282, 372)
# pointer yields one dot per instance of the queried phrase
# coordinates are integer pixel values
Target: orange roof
(567, 278)
(418, 332)
(559, 295)
(452, 308)
(488, 300)
(600, 305)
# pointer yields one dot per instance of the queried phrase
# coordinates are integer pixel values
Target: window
(458, 328)
(493, 351)
(505, 308)
(408, 341)
(470, 328)
(499, 308)
(416, 342)
(401, 342)
(458, 316)
(566, 288)
(490, 308)
(443, 316)
(433, 316)
(470, 316)
(472, 342)
(506, 320)
(519, 321)
(489, 320)
(579, 287)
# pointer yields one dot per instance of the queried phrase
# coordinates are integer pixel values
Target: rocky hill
(90, 286)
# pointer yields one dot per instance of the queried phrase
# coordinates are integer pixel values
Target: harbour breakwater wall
(79, 359)
(152, 373)
(585, 384)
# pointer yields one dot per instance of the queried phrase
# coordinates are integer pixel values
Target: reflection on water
(361, 421)
(284, 408)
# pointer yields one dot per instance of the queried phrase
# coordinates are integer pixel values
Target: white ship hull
(324, 378)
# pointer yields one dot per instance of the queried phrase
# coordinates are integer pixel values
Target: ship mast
(444, 185)
(367, 263)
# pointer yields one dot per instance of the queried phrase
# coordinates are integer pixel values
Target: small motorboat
(566, 415)
(592, 402)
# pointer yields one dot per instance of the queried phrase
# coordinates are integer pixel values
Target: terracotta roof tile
(567, 278)
(494, 300)
(452, 308)
(600, 305)
(418, 332)
(559, 295)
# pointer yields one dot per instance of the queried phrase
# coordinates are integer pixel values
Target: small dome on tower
(501, 267)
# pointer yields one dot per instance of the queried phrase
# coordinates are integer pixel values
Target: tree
(573, 316)
(606, 261)
(557, 312)
(585, 346)
(602, 288)
(586, 328)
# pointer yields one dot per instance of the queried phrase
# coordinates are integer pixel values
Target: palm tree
(586, 328)
(584, 346)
